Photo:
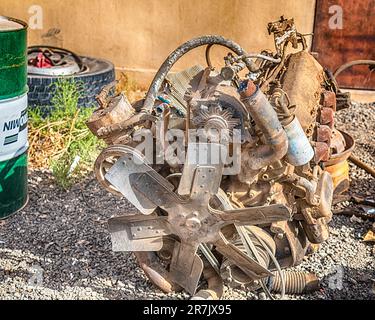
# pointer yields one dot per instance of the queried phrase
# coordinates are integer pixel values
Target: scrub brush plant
(59, 139)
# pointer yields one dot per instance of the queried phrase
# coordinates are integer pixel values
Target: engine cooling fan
(187, 213)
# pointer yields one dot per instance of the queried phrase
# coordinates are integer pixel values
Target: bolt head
(280, 235)
(193, 223)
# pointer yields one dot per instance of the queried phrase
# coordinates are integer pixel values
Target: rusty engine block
(241, 220)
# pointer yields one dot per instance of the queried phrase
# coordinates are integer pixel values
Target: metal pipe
(362, 165)
(259, 56)
(265, 117)
(155, 272)
(300, 151)
(308, 186)
(178, 53)
(208, 57)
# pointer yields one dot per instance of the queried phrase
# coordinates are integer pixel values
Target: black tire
(97, 74)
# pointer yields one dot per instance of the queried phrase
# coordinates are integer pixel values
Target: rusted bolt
(193, 223)
(280, 236)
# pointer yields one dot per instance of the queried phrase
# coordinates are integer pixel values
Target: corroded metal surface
(231, 206)
(302, 82)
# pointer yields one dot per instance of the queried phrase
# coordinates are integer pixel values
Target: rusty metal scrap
(362, 165)
(202, 217)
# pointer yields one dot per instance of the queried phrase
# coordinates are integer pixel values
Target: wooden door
(345, 30)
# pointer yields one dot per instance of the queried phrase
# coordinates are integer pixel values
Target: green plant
(61, 140)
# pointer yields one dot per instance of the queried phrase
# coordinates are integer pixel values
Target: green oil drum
(13, 184)
(13, 58)
(13, 116)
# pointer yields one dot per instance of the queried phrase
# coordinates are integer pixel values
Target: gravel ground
(58, 247)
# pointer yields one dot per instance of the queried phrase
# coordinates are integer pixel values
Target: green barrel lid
(13, 57)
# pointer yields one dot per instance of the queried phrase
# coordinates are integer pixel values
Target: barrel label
(20, 123)
(13, 127)
(11, 139)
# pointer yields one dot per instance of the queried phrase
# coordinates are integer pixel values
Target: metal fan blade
(203, 155)
(138, 232)
(141, 184)
(186, 266)
(247, 264)
(255, 215)
(156, 188)
(206, 181)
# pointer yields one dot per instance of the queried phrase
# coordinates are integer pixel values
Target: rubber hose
(178, 53)
(353, 63)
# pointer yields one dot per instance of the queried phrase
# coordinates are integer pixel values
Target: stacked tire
(96, 74)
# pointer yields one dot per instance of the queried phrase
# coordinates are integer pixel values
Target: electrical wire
(250, 247)
(276, 263)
